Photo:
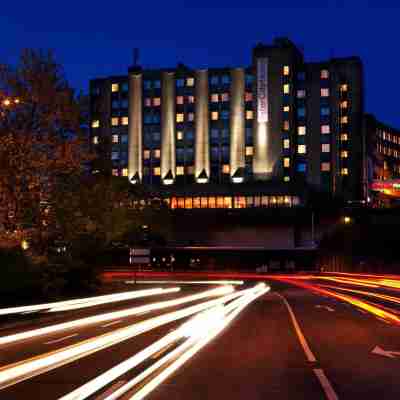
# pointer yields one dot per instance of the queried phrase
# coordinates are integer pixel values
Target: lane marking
(111, 323)
(326, 385)
(330, 309)
(61, 339)
(110, 390)
(309, 354)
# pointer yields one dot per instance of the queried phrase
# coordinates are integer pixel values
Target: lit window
(286, 143)
(286, 108)
(344, 137)
(180, 170)
(344, 154)
(95, 140)
(344, 119)
(325, 166)
(114, 87)
(157, 153)
(95, 123)
(225, 97)
(301, 94)
(179, 100)
(324, 74)
(344, 104)
(225, 169)
(156, 102)
(248, 96)
(147, 102)
(301, 130)
(325, 148)
(214, 115)
(286, 178)
(115, 172)
(115, 138)
(179, 135)
(146, 154)
(249, 114)
(286, 126)
(190, 116)
(344, 87)
(286, 162)
(214, 98)
(114, 121)
(325, 129)
(125, 120)
(124, 171)
(301, 149)
(324, 92)
(157, 171)
(249, 150)
(286, 88)
(344, 171)
(190, 82)
(286, 70)
(180, 117)
(190, 99)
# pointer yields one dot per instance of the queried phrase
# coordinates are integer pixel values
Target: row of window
(324, 74)
(390, 137)
(258, 201)
(388, 151)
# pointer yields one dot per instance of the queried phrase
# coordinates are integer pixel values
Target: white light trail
(83, 302)
(114, 315)
(194, 329)
(214, 282)
(20, 371)
(150, 386)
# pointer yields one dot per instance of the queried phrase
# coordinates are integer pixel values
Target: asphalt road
(291, 343)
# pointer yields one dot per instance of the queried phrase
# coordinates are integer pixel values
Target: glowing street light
(347, 220)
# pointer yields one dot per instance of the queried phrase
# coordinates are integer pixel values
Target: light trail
(373, 309)
(213, 282)
(114, 315)
(370, 294)
(83, 302)
(174, 366)
(17, 372)
(194, 329)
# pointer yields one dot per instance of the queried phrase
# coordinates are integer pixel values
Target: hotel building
(260, 135)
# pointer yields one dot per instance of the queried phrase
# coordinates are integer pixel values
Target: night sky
(95, 38)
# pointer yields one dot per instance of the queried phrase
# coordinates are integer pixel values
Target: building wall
(185, 123)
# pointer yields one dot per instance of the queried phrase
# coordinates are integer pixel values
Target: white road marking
(110, 390)
(61, 339)
(309, 354)
(111, 323)
(391, 354)
(326, 385)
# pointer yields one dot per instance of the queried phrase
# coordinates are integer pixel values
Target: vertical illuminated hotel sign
(262, 90)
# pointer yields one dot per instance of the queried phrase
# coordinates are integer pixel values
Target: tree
(41, 139)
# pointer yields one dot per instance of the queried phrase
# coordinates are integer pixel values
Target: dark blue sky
(95, 38)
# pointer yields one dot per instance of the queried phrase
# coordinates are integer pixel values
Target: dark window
(301, 76)
(157, 84)
(125, 87)
(226, 79)
(301, 112)
(147, 84)
(180, 83)
(301, 167)
(325, 111)
(249, 79)
(124, 139)
(214, 80)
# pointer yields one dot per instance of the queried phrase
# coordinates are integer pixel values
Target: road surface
(308, 337)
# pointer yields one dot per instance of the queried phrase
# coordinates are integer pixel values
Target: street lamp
(347, 220)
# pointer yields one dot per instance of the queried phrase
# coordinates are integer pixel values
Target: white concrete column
(135, 151)
(202, 141)
(168, 121)
(237, 125)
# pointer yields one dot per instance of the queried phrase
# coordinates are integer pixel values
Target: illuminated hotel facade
(253, 136)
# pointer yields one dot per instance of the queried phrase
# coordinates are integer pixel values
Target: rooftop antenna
(135, 57)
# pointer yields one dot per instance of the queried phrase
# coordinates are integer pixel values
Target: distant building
(261, 135)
